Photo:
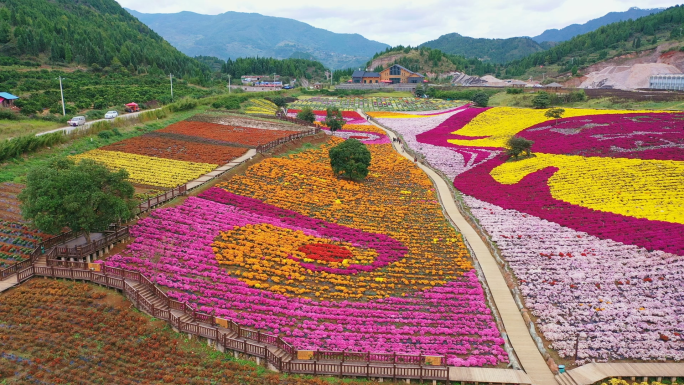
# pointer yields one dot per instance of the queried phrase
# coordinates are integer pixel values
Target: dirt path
(525, 348)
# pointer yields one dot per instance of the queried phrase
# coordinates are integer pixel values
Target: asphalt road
(69, 129)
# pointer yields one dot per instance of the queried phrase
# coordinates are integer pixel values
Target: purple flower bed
(174, 248)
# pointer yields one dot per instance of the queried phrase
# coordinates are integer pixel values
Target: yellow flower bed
(638, 188)
(261, 106)
(396, 199)
(500, 123)
(149, 170)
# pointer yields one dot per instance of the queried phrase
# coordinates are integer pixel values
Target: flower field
(9, 204)
(592, 225)
(325, 263)
(148, 170)
(169, 148)
(181, 152)
(56, 332)
(356, 127)
(375, 103)
(245, 136)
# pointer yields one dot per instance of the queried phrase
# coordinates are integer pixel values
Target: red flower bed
(170, 148)
(325, 252)
(248, 136)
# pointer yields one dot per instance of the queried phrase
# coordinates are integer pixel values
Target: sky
(411, 22)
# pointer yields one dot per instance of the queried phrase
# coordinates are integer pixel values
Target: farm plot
(57, 332)
(17, 240)
(376, 104)
(170, 148)
(591, 225)
(242, 121)
(247, 136)
(325, 263)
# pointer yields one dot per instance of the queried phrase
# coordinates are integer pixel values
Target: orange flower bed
(229, 134)
(169, 148)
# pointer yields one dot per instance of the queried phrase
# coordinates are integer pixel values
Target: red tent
(132, 105)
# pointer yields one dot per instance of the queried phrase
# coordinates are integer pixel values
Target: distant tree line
(297, 68)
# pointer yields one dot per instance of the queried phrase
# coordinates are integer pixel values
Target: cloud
(409, 22)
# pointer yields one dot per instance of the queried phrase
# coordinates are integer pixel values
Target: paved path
(69, 129)
(525, 348)
(8, 283)
(220, 170)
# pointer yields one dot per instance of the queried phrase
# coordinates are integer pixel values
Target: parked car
(111, 115)
(77, 121)
(287, 87)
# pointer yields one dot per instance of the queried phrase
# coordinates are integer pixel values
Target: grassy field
(525, 100)
(13, 128)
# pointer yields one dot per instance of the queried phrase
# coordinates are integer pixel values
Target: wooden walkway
(524, 346)
(220, 170)
(591, 373)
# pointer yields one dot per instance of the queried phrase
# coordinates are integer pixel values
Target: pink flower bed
(173, 247)
(609, 280)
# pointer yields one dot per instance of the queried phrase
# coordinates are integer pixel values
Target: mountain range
(232, 35)
(567, 33)
(506, 50)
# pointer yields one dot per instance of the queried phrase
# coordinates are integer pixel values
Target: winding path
(524, 346)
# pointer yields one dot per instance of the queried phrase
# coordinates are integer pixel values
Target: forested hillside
(494, 50)
(567, 33)
(425, 59)
(94, 33)
(607, 42)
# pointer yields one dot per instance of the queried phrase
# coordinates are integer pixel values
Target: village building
(7, 100)
(393, 75)
(365, 77)
(553, 87)
(399, 74)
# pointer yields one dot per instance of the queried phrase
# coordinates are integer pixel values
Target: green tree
(5, 32)
(481, 99)
(574, 70)
(279, 101)
(542, 100)
(333, 119)
(555, 113)
(350, 159)
(307, 115)
(517, 145)
(85, 197)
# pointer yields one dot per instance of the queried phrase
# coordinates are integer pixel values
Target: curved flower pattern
(591, 226)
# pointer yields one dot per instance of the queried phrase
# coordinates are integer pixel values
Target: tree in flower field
(85, 197)
(307, 115)
(517, 145)
(350, 159)
(334, 120)
(555, 113)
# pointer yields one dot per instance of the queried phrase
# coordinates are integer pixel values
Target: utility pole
(171, 80)
(228, 84)
(61, 91)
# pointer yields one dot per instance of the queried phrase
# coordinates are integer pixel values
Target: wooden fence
(36, 253)
(161, 198)
(89, 248)
(205, 325)
(265, 147)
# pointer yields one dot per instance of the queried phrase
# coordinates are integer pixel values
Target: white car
(111, 115)
(77, 121)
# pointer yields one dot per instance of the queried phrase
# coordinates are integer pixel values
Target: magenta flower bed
(638, 136)
(173, 247)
